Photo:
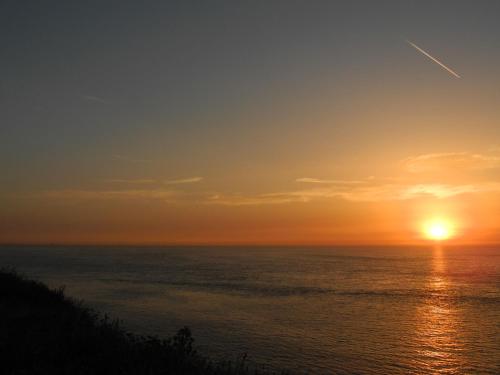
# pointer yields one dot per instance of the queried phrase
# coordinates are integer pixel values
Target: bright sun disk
(438, 230)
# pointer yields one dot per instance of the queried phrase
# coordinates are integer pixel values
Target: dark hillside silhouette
(44, 332)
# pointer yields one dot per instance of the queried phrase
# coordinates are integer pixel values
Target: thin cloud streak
(381, 192)
(450, 160)
(131, 181)
(368, 193)
(145, 181)
(78, 195)
(310, 180)
(370, 189)
(189, 180)
(257, 200)
(433, 59)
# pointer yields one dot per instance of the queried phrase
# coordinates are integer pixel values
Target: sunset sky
(271, 122)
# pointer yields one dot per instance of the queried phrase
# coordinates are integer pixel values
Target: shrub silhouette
(44, 332)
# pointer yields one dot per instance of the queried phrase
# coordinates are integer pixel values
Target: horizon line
(246, 244)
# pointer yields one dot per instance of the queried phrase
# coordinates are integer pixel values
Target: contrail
(433, 59)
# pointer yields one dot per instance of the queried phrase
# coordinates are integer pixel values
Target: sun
(438, 229)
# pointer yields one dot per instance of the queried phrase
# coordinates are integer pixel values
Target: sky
(263, 122)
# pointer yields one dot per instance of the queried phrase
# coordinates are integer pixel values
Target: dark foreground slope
(44, 332)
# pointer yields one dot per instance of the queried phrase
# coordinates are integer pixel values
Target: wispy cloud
(310, 180)
(449, 70)
(450, 160)
(402, 187)
(366, 193)
(147, 181)
(189, 180)
(93, 98)
(79, 195)
(446, 191)
(253, 200)
(374, 193)
(129, 159)
(144, 181)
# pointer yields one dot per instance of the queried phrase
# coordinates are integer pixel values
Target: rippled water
(322, 310)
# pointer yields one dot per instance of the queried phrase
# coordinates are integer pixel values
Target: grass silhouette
(44, 332)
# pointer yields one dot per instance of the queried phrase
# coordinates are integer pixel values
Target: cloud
(334, 182)
(93, 98)
(396, 188)
(388, 192)
(145, 181)
(79, 195)
(131, 181)
(446, 191)
(436, 162)
(154, 193)
(366, 193)
(253, 200)
(189, 180)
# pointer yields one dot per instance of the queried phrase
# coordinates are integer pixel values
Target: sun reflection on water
(439, 348)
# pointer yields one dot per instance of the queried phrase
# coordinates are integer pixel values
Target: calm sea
(321, 310)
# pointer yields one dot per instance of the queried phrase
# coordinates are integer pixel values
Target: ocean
(315, 310)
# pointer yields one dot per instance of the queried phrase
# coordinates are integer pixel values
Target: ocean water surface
(310, 309)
